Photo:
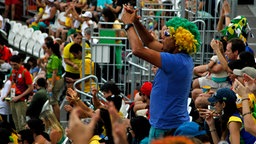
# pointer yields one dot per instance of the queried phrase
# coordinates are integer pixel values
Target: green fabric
(118, 49)
(61, 140)
(38, 100)
(107, 33)
(118, 57)
(36, 27)
(53, 63)
(71, 31)
(219, 80)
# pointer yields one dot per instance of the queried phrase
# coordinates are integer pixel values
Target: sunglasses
(166, 32)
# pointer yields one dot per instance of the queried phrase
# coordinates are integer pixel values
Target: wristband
(127, 26)
(213, 130)
(246, 114)
(245, 99)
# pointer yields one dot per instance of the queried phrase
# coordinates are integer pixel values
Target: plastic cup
(206, 89)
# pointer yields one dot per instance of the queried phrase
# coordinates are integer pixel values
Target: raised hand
(79, 132)
(240, 89)
(216, 44)
(129, 14)
(250, 83)
(118, 125)
(226, 7)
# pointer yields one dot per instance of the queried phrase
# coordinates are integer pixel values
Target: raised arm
(217, 46)
(225, 11)
(244, 91)
(136, 44)
(146, 37)
(77, 101)
(79, 132)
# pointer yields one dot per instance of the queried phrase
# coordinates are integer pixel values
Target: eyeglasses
(166, 32)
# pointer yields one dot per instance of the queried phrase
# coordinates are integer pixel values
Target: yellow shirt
(68, 55)
(89, 69)
(95, 140)
(68, 22)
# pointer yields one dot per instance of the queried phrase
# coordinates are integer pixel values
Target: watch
(127, 26)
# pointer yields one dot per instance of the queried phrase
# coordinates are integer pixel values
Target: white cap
(246, 70)
(51, 0)
(86, 14)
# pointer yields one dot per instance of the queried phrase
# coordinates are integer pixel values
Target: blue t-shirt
(101, 3)
(35, 69)
(171, 87)
(144, 141)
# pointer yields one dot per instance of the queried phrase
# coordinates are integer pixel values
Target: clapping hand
(118, 125)
(79, 132)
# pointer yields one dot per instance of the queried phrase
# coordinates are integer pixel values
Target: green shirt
(35, 107)
(54, 63)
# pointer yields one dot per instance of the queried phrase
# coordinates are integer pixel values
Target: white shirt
(4, 107)
(1, 19)
(85, 25)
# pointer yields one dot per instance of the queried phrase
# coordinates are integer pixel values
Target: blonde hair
(51, 121)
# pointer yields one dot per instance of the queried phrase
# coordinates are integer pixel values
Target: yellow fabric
(95, 140)
(89, 69)
(15, 138)
(251, 101)
(82, 1)
(87, 50)
(68, 22)
(234, 119)
(68, 55)
(118, 26)
(87, 45)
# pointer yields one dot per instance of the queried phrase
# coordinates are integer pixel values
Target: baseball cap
(247, 70)
(189, 129)
(146, 88)
(86, 14)
(223, 94)
(51, 0)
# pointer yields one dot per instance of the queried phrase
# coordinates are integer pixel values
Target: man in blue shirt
(168, 99)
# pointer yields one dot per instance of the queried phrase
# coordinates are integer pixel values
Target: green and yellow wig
(185, 33)
(238, 28)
